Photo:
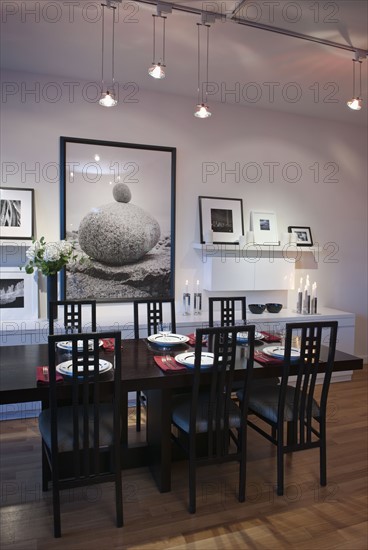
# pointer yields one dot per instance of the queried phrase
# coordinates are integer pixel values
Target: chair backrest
(155, 313)
(72, 315)
(217, 383)
(94, 414)
(317, 343)
(227, 310)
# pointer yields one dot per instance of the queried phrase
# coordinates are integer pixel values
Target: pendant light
(108, 97)
(157, 69)
(356, 102)
(202, 109)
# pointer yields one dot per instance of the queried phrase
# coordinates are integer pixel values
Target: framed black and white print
(16, 213)
(264, 227)
(223, 216)
(303, 235)
(118, 207)
(18, 295)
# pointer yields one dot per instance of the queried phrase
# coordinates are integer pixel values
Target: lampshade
(108, 100)
(356, 103)
(157, 71)
(202, 111)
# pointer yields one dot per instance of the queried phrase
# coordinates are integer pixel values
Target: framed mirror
(118, 207)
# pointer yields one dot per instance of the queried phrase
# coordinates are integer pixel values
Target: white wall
(336, 211)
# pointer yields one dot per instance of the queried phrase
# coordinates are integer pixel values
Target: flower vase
(52, 293)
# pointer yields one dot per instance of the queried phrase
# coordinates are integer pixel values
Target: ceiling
(263, 69)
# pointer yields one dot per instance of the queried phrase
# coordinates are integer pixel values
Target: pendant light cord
(354, 77)
(199, 64)
(208, 46)
(154, 39)
(163, 39)
(113, 49)
(103, 45)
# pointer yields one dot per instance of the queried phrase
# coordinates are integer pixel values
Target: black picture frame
(86, 186)
(16, 213)
(303, 235)
(223, 216)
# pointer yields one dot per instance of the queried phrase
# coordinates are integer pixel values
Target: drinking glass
(164, 329)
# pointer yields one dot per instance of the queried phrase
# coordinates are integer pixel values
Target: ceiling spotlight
(157, 70)
(356, 102)
(108, 97)
(202, 110)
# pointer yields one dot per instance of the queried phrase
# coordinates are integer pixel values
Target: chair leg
(119, 498)
(323, 456)
(138, 411)
(192, 486)
(243, 469)
(56, 508)
(280, 466)
(45, 469)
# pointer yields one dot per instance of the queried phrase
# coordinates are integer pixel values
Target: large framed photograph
(118, 207)
(222, 216)
(16, 213)
(18, 295)
(303, 235)
(264, 227)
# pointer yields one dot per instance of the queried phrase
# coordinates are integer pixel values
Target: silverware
(45, 372)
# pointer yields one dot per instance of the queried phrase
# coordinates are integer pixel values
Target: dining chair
(73, 311)
(298, 406)
(154, 312)
(228, 311)
(81, 440)
(209, 409)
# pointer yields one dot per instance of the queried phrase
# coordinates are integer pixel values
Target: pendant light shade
(108, 98)
(202, 109)
(157, 71)
(356, 102)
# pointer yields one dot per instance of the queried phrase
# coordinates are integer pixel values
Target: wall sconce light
(356, 102)
(157, 70)
(108, 98)
(202, 109)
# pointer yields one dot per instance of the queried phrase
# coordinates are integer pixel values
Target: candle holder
(299, 303)
(197, 303)
(186, 303)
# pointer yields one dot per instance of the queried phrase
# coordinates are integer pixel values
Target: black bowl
(274, 308)
(257, 308)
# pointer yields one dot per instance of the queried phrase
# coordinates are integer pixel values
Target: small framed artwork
(264, 227)
(16, 213)
(303, 235)
(18, 295)
(221, 216)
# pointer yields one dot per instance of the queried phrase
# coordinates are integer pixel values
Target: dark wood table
(139, 372)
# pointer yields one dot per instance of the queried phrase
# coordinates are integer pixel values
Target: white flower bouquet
(50, 258)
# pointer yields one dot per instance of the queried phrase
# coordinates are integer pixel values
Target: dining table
(140, 372)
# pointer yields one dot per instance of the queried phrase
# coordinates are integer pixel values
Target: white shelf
(254, 248)
(16, 242)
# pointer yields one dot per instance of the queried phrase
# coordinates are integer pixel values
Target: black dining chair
(210, 409)
(73, 312)
(228, 310)
(81, 441)
(154, 311)
(298, 406)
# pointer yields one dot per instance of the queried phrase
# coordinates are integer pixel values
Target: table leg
(159, 436)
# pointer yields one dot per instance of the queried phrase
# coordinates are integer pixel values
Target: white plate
(66, 367)
(169, 340)
(187, 359)
(67, 345)
(243, 336)
(279, 351)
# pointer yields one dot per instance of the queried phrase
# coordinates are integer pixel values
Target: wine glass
(164, 329)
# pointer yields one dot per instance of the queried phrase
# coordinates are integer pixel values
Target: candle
(197, 286)
(186, 285)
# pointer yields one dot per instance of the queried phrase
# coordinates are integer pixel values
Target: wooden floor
(307, 517)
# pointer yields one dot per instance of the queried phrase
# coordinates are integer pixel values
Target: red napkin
(264, 359)
(168, 365)
(43, 378)
(269, 338)
(192, 340)
(108, 344)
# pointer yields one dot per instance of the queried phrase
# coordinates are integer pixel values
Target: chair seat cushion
(181, 413)
(264, 401)
(65, 426)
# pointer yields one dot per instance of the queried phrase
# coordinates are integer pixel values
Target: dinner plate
(243, 336)
(66, 367)
(279, 352)
(188, 359)
(169, 340)
(67, 344)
